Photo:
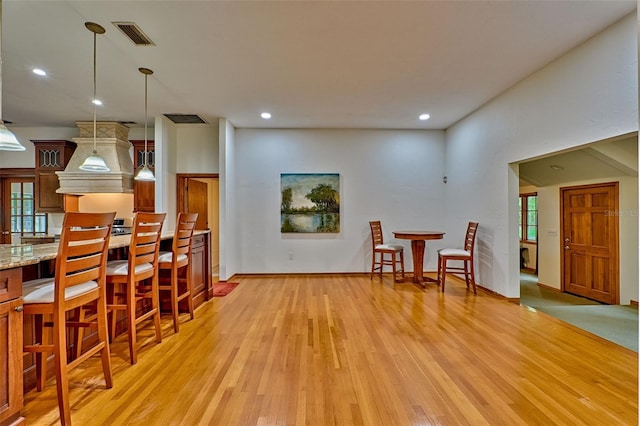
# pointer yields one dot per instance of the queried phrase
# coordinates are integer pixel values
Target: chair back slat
(376, 232)
(145, 239)
(81, 263)
(87, 234)
(470, 238)
(84, 248)
(82, 251)
(185, 225)
(82, 277)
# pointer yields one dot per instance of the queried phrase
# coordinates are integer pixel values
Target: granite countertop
(17, 255)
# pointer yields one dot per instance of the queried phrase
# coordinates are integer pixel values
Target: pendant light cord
(95, 106)
(146, 153)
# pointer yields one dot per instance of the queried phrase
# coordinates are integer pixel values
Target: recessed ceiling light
(424, 117)
(39, 71)
(265, 115)
(97, 101)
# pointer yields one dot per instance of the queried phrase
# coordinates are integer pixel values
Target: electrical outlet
(290, 255)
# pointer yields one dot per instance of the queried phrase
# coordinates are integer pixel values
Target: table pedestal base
(417, 250)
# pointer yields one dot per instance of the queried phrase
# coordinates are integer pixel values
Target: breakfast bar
(22, 262)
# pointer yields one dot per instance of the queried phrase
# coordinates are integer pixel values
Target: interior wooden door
(590, 265)
(197, 201)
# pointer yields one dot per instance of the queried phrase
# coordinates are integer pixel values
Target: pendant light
(8, 141)
(94, 163)
(145, 174)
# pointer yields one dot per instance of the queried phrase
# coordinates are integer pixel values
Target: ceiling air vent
(185, 118)
(134, 33)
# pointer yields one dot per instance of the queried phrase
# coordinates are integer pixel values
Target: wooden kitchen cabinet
(51, 156)
(144, 198)
(201, 284)
(201, 281)
(11, 399)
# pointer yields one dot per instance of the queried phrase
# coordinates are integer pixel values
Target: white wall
(214, 224)
(587, 95)
(165, 146)
(391, 175)
(229, 241)
(197, 149)
(549, 272)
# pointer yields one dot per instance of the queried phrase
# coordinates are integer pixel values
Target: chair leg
(103, 336)
(111, 298)
(373, 264)
(62, 381)
(393, 266)
(473, 276)
(79, 332)
(41, 357)
(466, 273)
(190, 296)
(155, 306)
(444, 271)
(174, 299)
(402, 263)
(131, 322)
(439, 271)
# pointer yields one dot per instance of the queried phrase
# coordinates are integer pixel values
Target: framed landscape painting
(310, 202)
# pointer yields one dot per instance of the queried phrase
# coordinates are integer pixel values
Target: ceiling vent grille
(134, 33)
(185, 118)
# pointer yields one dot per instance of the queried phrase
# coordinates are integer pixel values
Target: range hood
(113, 146)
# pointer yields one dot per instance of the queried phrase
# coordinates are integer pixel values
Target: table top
(17, 255)
(419, 235)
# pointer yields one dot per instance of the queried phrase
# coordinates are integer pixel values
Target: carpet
(616, 323)
(221, 289)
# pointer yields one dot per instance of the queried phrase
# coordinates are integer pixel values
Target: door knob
(19, 308)
(5, 232)
(567, 248)
(566, 240)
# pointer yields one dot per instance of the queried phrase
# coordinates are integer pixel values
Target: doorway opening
(199, 193)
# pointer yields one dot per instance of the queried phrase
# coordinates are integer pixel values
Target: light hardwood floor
(346, 350)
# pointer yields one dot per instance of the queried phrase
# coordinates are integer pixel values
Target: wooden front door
(590, 265)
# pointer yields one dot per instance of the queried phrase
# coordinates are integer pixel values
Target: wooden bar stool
(125, 279)
(179, 258)
(79, 280)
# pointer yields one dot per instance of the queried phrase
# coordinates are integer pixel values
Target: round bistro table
(418, 243)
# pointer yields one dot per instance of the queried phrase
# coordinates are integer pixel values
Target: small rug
(221, 289)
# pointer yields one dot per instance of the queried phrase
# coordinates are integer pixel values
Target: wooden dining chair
(384, 254)
(178, 263)
(127, 288)
(464, 255)
(79, 280)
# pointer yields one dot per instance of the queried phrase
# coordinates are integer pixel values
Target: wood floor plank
(347, 350)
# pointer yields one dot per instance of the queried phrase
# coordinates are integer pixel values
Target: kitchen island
(23, 262)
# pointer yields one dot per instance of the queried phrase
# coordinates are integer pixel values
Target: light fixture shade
(8, 141)
(94, 163)
(145, 175)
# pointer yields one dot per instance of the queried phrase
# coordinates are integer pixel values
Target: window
(528, 206)
(24, 219)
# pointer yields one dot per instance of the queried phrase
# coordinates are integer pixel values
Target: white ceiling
(338, 64)
(599, 160)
